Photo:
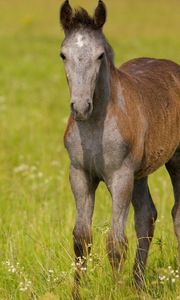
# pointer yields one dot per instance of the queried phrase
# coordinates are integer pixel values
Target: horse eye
(62, 56)
(101, 56)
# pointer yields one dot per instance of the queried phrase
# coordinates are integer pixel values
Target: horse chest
(97, 149)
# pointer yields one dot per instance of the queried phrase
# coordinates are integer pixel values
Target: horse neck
(105, 89)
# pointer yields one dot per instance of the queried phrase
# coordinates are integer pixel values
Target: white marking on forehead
(80, 42)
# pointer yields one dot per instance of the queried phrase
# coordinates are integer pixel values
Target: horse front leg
(83, 188)
(121, 187)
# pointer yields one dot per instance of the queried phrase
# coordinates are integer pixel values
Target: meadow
(37, 211)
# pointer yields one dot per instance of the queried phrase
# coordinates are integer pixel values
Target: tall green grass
(37, 211)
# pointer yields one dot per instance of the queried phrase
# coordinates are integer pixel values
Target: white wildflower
(73, 264)
(55, 163)
(23, 289)
(21, 168)
(33, 168)
(13, 270)
(40, 174)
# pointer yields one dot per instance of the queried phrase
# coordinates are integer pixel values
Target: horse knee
(82, 239)
(145, 220)
(116, 249)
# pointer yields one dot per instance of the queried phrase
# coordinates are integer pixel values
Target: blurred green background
(37, 211)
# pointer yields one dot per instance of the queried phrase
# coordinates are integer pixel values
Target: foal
(124, 125)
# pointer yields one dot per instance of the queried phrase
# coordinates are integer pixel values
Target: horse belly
(159, 150)
(163, 131)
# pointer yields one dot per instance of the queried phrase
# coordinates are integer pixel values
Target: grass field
(37, 211)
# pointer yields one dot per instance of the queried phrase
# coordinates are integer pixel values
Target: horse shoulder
(132, 121)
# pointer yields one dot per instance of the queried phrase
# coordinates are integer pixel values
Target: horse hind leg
(173, 168)
(145, 216)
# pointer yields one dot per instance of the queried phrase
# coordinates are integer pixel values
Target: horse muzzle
(81, 111)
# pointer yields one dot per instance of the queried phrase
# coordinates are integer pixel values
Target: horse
(124, 124)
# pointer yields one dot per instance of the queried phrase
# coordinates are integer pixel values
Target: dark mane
(82, 18)
(109, 50)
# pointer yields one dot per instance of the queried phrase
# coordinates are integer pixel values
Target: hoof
(75, 293)
(139, 282)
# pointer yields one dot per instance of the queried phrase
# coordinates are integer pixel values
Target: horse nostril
(89, 107)
(72, 107)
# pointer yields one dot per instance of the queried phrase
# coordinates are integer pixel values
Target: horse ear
(100, 15)
(66, 15)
